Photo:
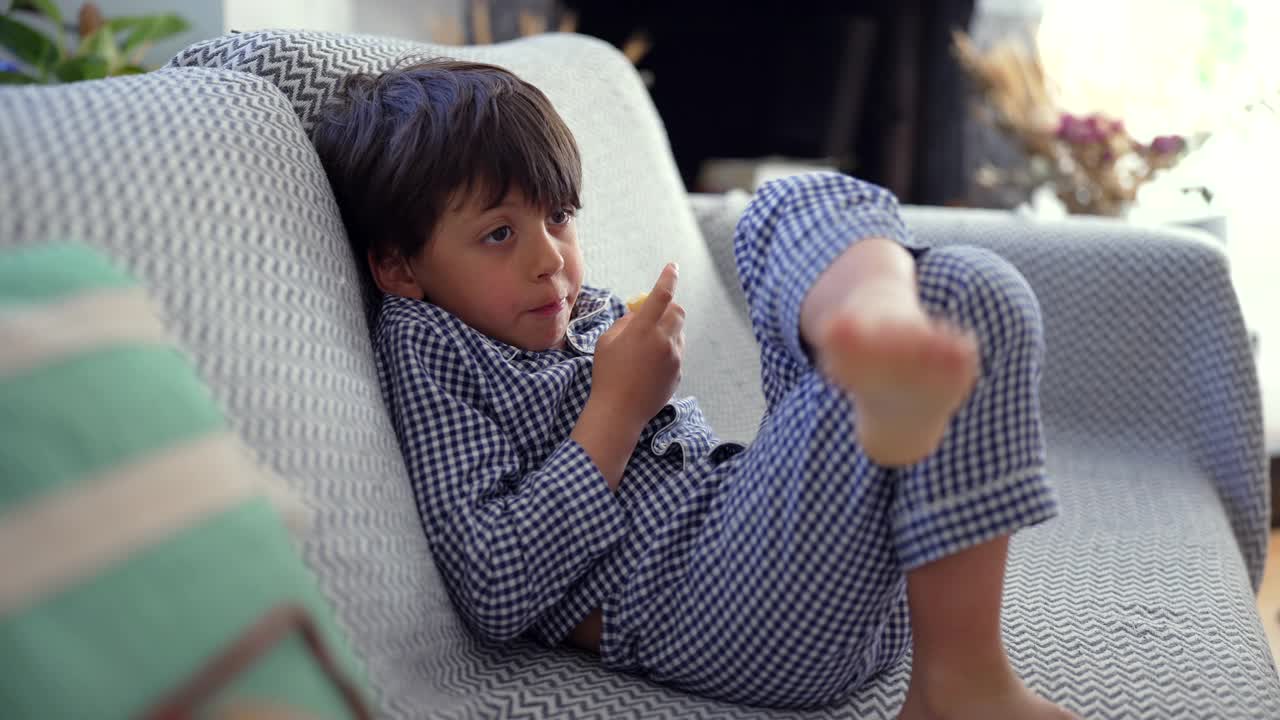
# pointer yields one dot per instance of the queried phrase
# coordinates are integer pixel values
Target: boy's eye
(561, 216)
(498, 236)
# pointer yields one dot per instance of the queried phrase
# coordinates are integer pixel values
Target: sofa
(1136, 602)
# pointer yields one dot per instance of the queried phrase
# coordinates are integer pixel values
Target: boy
(569, 497)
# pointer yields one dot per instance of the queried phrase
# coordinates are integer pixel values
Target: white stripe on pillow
(40, 333)
(49, 542)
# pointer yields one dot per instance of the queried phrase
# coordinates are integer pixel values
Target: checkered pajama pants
(781, 581)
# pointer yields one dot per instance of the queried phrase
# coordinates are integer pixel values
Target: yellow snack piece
(635, 301)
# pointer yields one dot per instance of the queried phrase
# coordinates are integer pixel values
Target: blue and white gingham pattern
(781, 581)
(520, 521)
(987, 478)
(772, 575)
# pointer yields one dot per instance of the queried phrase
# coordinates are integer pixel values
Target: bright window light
(1185, 66)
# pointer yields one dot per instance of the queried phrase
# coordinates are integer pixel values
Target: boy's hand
(637, 365)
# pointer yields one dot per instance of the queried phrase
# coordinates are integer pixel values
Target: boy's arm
(636, 370)
(608, 438)
(509, 541)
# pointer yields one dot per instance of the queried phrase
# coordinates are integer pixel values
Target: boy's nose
(548, 260)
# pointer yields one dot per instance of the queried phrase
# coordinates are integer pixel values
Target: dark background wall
(866, 83)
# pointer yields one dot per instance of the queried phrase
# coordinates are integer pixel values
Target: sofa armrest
(1146, 347)
(717, 215)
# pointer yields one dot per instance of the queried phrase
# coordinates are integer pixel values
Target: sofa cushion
(635, 214)
(137, 537)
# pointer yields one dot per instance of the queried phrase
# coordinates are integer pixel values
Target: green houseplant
(93, 47)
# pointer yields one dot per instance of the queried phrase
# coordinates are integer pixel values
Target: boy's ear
(393, 275)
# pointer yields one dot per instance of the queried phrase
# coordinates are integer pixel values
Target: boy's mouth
(551, 308)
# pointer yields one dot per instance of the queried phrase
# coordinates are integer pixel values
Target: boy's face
(512, 271)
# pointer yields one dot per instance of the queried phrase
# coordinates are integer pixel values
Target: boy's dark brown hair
(400, 145)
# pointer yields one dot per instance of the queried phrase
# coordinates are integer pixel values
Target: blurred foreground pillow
(144, 569)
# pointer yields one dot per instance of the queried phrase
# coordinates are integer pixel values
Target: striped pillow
(142, 567)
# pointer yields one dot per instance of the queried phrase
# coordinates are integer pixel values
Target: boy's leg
(959, 665)
(786, 585)
(776, 582)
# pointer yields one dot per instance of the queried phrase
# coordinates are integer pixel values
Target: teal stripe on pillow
(46, 272)
(120, 641)
(94, 411)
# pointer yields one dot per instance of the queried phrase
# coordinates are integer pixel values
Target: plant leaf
(44, 7)
(146, 29)
(87, 67)
(9, 77)
(27, 44)
(129, 70)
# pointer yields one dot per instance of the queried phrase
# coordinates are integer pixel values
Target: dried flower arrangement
(1091, 162)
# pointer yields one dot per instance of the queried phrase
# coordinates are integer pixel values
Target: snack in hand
(635, 301)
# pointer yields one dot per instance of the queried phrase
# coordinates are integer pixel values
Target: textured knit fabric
(1134, 603)
(770, 577)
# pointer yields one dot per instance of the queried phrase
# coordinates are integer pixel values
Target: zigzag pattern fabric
(1135, 603)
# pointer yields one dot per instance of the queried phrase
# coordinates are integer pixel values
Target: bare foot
(1016, 703)
(908, 374)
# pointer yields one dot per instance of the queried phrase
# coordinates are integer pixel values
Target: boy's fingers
(663, 292)
(673, 320)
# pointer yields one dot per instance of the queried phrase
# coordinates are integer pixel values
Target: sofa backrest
(636, 215)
